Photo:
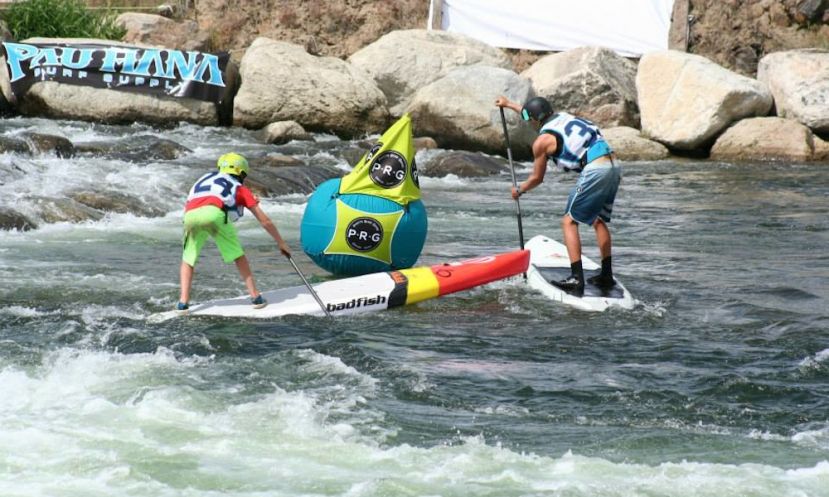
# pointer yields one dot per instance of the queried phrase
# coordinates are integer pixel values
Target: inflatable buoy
(372, 219)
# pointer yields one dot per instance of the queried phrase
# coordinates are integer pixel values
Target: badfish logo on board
(364, 234)
(388, 170)
(355, 303)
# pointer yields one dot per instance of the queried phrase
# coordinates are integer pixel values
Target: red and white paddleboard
(370, 292)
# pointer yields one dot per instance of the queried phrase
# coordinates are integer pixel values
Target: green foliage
(60, 19)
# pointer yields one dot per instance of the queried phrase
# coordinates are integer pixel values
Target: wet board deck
(549, 262)
(370, 292)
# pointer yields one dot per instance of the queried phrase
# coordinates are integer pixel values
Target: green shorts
(209, 221)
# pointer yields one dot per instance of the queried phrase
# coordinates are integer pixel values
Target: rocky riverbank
(668, 102)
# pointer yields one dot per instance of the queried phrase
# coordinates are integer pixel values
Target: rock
(821, 150)
(5, 34)
(629, 144)
(41, 143)
(275, 160)
(134, 149)
(269, 181)
(60, 101)
(800, 86)
(686, 100)
(590, 82)
(459, 111)
(462, 164)
(159, 31)
(282, 132)
(57, 210)
(354, 152)
(108, 201)
(424, 143)
(725, 31)
(765, 138)
(13, 220)
(320, 93)
(14, 145)
(7, 99)
(401, 62)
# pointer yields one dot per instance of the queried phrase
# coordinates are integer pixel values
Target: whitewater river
(716, 384)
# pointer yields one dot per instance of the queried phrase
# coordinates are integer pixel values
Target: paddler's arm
(543, 146)
(505, 102)
(266, 223)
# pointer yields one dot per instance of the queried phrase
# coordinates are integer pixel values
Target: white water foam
(98, 423)
(816, 360)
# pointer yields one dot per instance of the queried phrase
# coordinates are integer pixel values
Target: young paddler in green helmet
(215, 202)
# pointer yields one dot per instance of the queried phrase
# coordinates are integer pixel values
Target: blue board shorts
(595, 192)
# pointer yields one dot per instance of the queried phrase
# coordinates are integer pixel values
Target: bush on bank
(60, 19)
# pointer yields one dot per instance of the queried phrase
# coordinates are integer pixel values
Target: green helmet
(234, 164)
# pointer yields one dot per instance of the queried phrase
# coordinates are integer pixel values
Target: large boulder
(591, 82)
(111, 201)
(7, 99)
(821, 150)
(40, 143)
(275, 175)
(462, 164)
(63, 209)
(133, 148)
(686, 100)
(765, 138)
(66, 101)
(282, 132)
(151, 29)
(282, 82)
(799, 82)
(629, 144)
(60, 101)
(10, 219)
(14, 145)
(401, 62)
(459, 110)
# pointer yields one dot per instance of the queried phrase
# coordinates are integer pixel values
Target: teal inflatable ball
(354, 234)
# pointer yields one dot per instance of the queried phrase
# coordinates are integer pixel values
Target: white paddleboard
(549, 262)
(370, 292)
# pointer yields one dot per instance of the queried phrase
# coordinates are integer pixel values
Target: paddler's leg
(603, 239)
(186, 278)
(247, 276)
(197, 225)
(575, 282)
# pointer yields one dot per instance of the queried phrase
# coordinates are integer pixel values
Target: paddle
(308, 285)
(514, 182)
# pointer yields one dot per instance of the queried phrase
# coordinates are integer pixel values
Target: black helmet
(537, 108)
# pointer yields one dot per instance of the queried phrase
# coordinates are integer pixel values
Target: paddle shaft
(310, 288)
(514, 181)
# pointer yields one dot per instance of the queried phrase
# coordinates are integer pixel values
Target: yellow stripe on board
(422, 284)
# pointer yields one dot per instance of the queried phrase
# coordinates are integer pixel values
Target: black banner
(154, 71)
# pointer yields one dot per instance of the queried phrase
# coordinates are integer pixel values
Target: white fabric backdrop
(629, 27)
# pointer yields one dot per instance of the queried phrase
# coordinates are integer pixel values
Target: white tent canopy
(629, 27)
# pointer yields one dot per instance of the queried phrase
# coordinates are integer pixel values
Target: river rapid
(716, 384)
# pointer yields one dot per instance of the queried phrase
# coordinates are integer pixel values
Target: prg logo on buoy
(364, 234)
(374, 149)
(415, 176)
(388, 169)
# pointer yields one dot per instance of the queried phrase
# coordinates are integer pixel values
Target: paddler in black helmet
(576, 145)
